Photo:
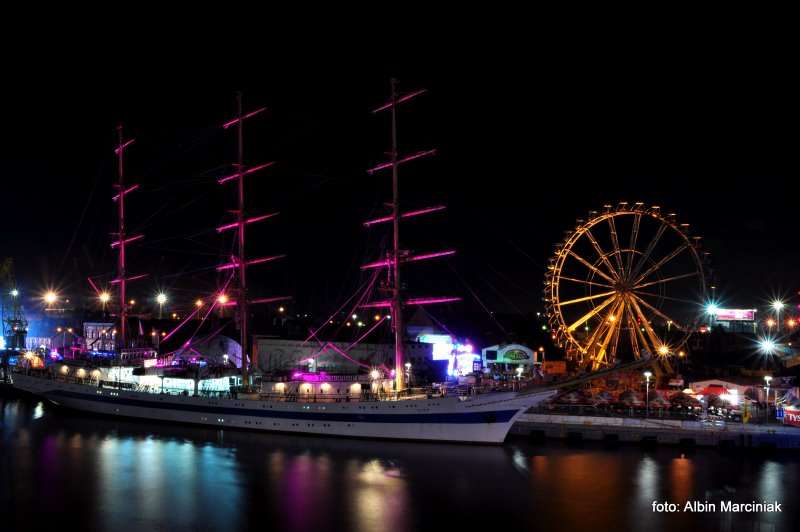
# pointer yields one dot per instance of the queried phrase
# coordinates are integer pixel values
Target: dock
(656, 431)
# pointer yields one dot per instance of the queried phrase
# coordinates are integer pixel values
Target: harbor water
(70, 471)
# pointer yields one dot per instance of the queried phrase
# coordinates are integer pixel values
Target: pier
(656, 431)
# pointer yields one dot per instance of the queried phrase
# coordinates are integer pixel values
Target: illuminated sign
(735, 314)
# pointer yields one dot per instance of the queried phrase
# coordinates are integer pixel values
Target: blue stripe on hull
(497, 416)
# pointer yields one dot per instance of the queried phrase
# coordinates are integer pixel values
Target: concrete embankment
(663, 431)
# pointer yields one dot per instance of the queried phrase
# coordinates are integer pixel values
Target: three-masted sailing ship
(419, 415)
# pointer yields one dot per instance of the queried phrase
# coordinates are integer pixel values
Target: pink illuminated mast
(397, 256)
(239, 262)
(122, 241)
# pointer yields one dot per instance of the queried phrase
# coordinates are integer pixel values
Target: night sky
(529, 139)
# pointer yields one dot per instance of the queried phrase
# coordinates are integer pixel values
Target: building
(508, 357)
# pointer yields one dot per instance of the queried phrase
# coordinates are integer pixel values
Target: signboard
(791, 416)
(735, 314)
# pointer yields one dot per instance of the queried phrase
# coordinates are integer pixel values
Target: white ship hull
(484, 418)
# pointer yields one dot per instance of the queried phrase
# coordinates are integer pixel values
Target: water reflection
(101, 474)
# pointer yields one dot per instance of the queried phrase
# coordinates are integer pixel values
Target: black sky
(529, 138)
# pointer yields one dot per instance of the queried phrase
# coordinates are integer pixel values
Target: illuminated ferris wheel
(626, 283)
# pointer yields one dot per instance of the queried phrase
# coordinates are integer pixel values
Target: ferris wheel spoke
(660, 314)
(634, 237)
(661, 262)
(604, 324)
(602, 254)
(654, 340)
(587, 298)
(632, 330)
(666, 280)
(615, 242)
(589, 315)
(612, 329)
(592, 267)
(650, 247)
(582, 281)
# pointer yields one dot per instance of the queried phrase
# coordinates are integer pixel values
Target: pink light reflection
(248, 221)
(409, 214)
(405, 159)
(132, 278)
(401, 99)
(127, 240)
(236, 120)
(126, 191)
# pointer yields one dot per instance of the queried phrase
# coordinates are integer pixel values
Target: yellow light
(50, 297)
(663, 350)
(198, 303)
(81, 373)
(153, 333)
(281, 309)
(374, 374)
(69, 330)
(325, 387)
(174, 315)
(105, 297)
(59, 329)
(348, 324)
(681, 354)
(161, 298)
(222, 299)
(64, 370)
(132, 302)
(377, 317)
(791, 323)
(96, 374)
(612, 318)
(280, 387)
(770, 322)
(163, 333)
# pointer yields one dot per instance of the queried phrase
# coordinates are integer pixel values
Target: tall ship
(380, 404)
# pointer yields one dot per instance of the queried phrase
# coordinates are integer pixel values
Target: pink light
(246, 172)
(433, 255)
(262, 260)
(409, 214)
(127, 240)
(401, 99)
(123, 146)
(132, 278)
(432, 300)
(248, 221)
(181, 324)
(405, 159)
(269, 300)
(127, 190)
(236, 120)
(377, 304)
(378, 264)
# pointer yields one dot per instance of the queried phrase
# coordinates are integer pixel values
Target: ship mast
(122, 239)
(398, 256)
(239, 262)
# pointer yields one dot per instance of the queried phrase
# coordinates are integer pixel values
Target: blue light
(712, 309)
(767, 345)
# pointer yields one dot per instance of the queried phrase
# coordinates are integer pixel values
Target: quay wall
(662, 431)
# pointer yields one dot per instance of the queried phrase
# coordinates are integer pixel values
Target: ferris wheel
(627, 283)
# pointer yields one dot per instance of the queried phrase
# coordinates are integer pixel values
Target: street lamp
(14, 292)
(647, 376)
(161, 298)
(778, 305)
(50, 297)
(104, 297)
(767, 380)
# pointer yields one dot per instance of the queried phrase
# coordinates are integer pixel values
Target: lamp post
(778, 305)
(408, 373)
(767, 380)
(161, 298)
(647, 376)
